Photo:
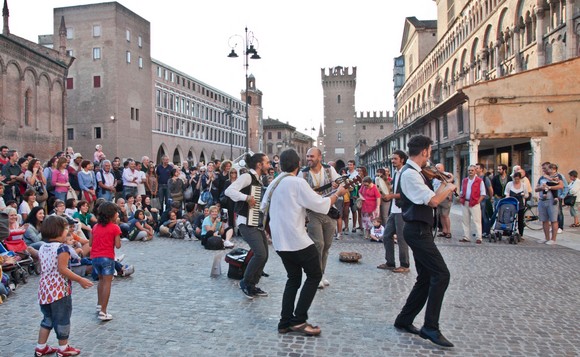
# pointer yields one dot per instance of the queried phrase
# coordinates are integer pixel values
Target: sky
(295, 40)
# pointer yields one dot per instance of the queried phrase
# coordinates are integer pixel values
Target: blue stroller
(506, 220)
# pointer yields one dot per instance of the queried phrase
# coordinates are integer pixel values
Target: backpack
(214, 243)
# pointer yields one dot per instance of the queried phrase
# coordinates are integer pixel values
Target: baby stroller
(506, 220)
(21, 268)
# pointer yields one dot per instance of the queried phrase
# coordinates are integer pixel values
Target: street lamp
(248, 42)
(230, 112)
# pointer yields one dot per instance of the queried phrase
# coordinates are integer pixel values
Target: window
(70, 134)
(70, 33)
(128, 57)
(96, 30)
(140, 62)
(158, 71)
(381, 127)
(460, 118)
(279, 135)
(140, 41)
(98, 134)
(445, 127)
(69, 53)
(96, 53)
(339, 138)
(96, 81)
(269, 135)
(364, 127)
(27, 106)
(128, 35)
(158, 97)
(70, 83)
(137, 114)
(338, 151)
(338, 99)
(339, 121)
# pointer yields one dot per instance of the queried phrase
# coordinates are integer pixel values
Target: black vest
(411, 211)
(242, 207)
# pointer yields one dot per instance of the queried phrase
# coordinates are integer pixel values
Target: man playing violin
(417, 202)
(320, 226)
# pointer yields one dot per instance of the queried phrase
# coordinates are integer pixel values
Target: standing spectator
(175, 186)
(395, 223)
(519, 190)
(353, 195)
(574, 190)
(99, 155)
(371, 205)
(444, 208)
(130, 179)
(145, 162)
(163, 171)
(486, 205)
(73, 170)
(141, 190)
(106, 182)
(547, 188)
(383, 183)
(118, 174)
(499, 181)
(13, 176)
(472, 194)
(225, 167)
(561, 194)
(69, 151)
(229, 204)
(88, 183)
(151, 184)
(3, 155)
(36, 181)
(60, 180)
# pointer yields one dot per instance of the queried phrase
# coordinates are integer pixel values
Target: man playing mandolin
(320, 226)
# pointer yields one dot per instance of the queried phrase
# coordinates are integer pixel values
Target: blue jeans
(129, 190)
(107, 195)
(60, 196)
(163, 195)
(103, 266)
(57, 315)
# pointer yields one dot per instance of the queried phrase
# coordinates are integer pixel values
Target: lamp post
(230, 112)
(248, 41)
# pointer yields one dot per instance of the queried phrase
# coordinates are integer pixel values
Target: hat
(77, 155)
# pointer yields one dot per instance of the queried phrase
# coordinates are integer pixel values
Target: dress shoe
(435, 336)
(410, 328)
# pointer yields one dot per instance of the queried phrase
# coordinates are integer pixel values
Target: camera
(224, 215)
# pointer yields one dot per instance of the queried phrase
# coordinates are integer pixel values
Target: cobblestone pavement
(516, 300)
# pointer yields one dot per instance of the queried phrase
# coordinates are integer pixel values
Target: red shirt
(370, 195)
(104, 240)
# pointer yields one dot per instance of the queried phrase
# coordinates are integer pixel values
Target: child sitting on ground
(54, 288)
(377, 231)
(105, 238)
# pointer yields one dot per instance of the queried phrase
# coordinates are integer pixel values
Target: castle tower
(255, 114)
(339, 114)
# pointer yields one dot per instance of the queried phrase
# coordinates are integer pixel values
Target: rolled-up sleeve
(414, 187)
(233, 191)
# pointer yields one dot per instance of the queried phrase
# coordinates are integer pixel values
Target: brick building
(498, 86)
(32, 92)
(279, 136)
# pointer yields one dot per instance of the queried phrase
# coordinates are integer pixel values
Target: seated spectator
(130, 205)
(151, 213)
(138, 227)
(32, 236)
(86, 219)
(174, 226)
(214, 226)
(15, 241)
(78, 264)
(70, 207)
(198, 222)
(28, 203)
(123, 219)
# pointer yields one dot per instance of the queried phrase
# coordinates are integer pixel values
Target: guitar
(347, 183)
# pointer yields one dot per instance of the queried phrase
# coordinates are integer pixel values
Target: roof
(418, 25)
(276, 124)
(45, 52)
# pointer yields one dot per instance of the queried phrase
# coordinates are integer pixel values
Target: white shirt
(290, 200)
(468, 188)
(396, 182)
(24, 208)
(107, 178)
(413, 185)
(353, 174)
(233, 191)
(321, 176)
(128, 176)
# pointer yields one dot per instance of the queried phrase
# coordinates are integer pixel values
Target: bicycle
(531, 219)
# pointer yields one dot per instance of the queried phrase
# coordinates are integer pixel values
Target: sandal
(448, 235)
(306, 329)
(442, 234)
(574, 225)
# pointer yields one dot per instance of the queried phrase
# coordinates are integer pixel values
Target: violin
(431, 173)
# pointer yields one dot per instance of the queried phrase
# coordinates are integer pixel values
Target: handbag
(41, 193)
(188, 193)
(206, 198)
(155, 203)
(569, 200)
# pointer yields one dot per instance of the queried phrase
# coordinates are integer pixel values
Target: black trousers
(432, 279)
(308, 260)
